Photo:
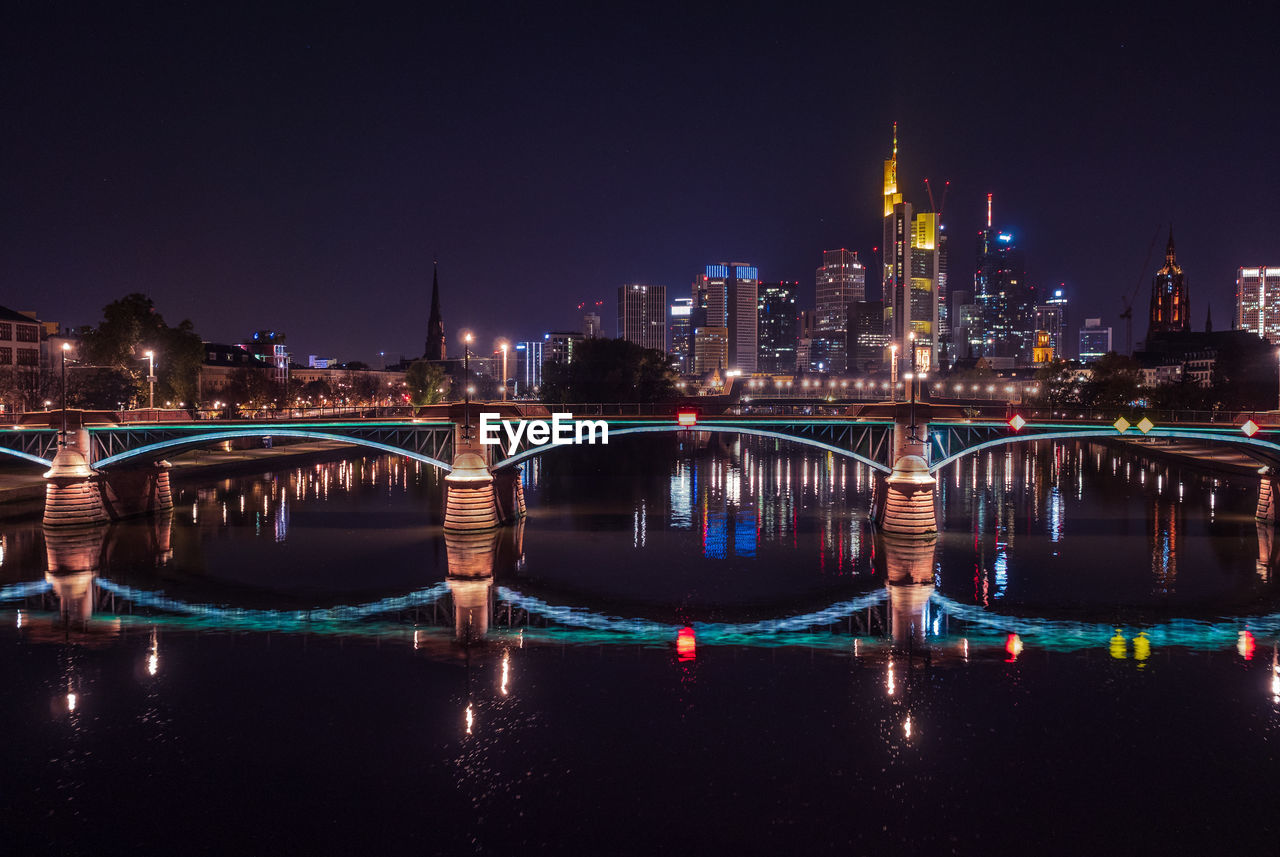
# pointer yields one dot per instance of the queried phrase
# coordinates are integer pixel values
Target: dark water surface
(679, 650)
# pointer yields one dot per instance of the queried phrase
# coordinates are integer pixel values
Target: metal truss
(420, 440)
(872, 441)
(36, 445)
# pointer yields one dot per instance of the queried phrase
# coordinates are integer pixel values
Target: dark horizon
(253, 168)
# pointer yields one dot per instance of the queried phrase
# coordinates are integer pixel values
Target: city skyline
(248, 169)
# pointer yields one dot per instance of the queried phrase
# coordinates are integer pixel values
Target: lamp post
(466, 381)
(504, 347)
(66, 346)
(151, 380)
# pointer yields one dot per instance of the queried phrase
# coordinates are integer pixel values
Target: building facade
(867, 338)
(682, 335)
(642, 315)
(528, 367)
(777, 326)
(1258, 302)
(839, 282)
(1095, 340)
(726, 296)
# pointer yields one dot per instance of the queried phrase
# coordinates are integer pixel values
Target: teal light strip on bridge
(708, 427)
(151, 448)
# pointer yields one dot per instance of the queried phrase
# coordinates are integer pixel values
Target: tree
(25, 388)
(251, 387)
(129, 328)
(609, 370)
(1113, 383)
(100, 388)
(425, 381)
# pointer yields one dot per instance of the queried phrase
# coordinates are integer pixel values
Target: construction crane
(1127, 303)
(937, 206)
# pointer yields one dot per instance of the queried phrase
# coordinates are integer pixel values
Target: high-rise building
(528, 367)
(558, 346)
(839, 282)
(435, 324)
(1258, 302)
(805, 359)
(1000, 289)
(910, 274)
(1095, 340)
(944, 291)
(867, 338)
(591, 327)
(1051, 317)
(710, 350)
(682, 335)
(1170, 298)
(642, 315)
(777, 326)
(726, 296)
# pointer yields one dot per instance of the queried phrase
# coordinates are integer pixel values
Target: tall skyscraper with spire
(435, 324)
(1170, 300)
(910, 282)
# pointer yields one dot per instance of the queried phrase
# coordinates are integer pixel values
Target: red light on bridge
(1250, 428)
(1017, 422)
(686, 644)
(687, 418)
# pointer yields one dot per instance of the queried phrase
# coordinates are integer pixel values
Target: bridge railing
(1158, 416)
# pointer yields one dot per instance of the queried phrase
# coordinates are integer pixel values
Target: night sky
(297, 168)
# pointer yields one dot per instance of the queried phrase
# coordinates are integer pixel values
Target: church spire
(435, 324)
(1170, 257)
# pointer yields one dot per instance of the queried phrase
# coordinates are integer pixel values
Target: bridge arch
(1265, 452)
(153, 451)
(707, 427)
(26, 456)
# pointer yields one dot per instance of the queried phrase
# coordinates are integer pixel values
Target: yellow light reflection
(470, 718)
(906, 726)
(506, 671)
(1118, 646)
(71, 702)
(889, 684)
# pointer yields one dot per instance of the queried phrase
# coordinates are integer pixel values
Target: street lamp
(151, 380)
(466, 380)
(66, 346)
(504, 346)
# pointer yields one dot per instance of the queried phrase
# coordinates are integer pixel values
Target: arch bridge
(909, 444)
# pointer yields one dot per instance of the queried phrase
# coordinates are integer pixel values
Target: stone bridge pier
(1267, 490)
(77, 495)
(476, 497)
(905, 508)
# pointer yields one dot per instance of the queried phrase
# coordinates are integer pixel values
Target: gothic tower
(435, 325)
(1170, 301)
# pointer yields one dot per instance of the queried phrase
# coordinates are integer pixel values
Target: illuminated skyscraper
(1170, 298)
(682, 334)
(726, 297)
(777, 326)
(839, 282)
(1258, 302)
(1001, 292)
(911, 268)
(642, 315)
(1051, 317)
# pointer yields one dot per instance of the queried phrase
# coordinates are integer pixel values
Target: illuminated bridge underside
(870, 443)
(948, 443)
(35, 445)
(430, 443)
(577, 624)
